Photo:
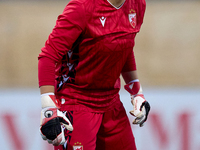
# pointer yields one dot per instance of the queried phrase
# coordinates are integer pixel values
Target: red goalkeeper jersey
(90, 45)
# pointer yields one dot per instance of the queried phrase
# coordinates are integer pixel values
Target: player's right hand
(53, 121)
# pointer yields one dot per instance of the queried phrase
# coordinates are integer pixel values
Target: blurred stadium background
(168, 58)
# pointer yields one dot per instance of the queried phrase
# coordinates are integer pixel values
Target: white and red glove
(53, 121)
(141, 107)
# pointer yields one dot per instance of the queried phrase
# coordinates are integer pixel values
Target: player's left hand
(140, 110)
(141, 107)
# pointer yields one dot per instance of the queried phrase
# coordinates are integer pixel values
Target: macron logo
(102, 19)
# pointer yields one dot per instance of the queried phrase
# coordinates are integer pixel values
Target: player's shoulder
(74, 6)
(78, 5)
(136, 2)
(83, 5)
(141, 2)
(79, 1)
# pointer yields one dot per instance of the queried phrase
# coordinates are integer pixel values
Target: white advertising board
(173, 123)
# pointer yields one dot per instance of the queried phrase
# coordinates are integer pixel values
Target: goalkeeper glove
(141, 107)
(53, 121)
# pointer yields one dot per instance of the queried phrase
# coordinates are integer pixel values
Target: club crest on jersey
(132, 18)
(77, 146)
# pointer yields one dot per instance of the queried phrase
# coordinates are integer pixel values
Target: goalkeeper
(79, 67)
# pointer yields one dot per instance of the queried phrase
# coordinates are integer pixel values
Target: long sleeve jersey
(90, 45)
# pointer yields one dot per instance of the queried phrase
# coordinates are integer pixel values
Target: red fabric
(46, 71)
(115, 132)
(91, 44)
(130, 64)
(101, 131)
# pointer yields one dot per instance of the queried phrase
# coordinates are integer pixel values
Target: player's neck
(116, 3)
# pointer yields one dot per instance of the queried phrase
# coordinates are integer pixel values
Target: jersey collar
(115, 6)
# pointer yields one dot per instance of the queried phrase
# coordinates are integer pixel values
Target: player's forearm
(47, 89)
(129, 76)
